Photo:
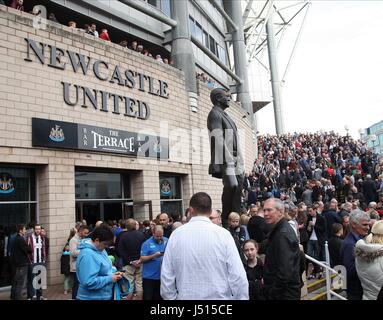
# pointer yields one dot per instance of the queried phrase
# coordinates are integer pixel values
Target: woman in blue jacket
(94, 268)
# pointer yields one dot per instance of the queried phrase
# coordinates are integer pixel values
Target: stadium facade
(95, 131)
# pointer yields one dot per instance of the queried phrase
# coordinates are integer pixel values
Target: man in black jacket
(332, 216)
(335, 245)
(369, 189)
(257, 227)
(19, 259)
(282, 279)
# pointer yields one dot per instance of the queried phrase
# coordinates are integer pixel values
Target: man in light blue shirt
(152, 251)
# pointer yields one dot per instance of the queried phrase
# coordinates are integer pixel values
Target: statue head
(220, 97)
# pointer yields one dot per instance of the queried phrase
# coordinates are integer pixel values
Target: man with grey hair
(282, 279)
(215, 217)
(372, 206)
(359, 227)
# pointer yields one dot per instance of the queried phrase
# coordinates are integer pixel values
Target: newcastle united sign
(74, 94)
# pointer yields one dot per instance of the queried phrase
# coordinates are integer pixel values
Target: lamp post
(361, 132)
(346, 128)
(373, 139)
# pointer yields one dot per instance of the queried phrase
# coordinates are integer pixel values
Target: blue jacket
(354, 287)
(94, 273)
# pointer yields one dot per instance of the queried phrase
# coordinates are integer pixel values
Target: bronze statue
(226, 159)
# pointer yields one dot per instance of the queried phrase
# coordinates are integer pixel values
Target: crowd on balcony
(92, 29)
(203, 77)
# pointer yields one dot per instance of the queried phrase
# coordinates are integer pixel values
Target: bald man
(164, 222)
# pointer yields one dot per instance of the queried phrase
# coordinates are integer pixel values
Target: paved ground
(55, 292)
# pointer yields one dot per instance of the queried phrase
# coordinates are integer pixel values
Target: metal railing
(329, 271)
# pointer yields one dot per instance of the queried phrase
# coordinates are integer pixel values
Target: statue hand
(230, 171)
(231, 180)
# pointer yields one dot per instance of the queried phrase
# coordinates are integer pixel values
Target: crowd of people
(305, 189)
(332, 190)
(92, 30)
(205, 79)
(24, 251)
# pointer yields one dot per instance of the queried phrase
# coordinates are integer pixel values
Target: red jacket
(104, 36)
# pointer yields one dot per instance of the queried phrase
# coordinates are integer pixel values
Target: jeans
(68, 282)
(75, 285)
(19, 282)
(31, 291)
(314, 250)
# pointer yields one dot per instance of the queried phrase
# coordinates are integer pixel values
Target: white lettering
(129, 144)
(114, 142)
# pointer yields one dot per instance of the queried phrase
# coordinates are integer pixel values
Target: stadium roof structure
(265, 23)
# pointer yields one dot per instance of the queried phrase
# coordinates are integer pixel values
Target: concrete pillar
(146, 187)
(182, 51)
(233, 9)
(275, 82)
(56, 195)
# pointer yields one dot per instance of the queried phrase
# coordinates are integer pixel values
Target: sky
(335, 78)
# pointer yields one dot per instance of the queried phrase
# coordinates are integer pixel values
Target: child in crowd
(65, 269)
(254, 269)
(19, 5)
(238, 232)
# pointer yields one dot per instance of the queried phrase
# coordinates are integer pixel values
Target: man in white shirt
(201, 260)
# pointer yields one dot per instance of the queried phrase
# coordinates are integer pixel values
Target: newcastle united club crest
(166, 188)
(57, 134)
(7, 183)
(157, 147)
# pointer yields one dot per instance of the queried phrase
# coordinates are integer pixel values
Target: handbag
(122, 288)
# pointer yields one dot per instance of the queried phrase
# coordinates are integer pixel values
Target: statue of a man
(226, 159)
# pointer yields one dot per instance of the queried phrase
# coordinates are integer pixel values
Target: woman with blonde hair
(369, 261)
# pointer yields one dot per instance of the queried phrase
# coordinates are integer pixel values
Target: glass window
(199, 32)
(170, 187)
(221, 53)
(152, 2)
(17, 213)
(165, 7)
(17, 196)
(171, 195)
(192, 26)
(212, 45)
(17, 184)
(101, 185)
(206, 39)
(172, 208)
